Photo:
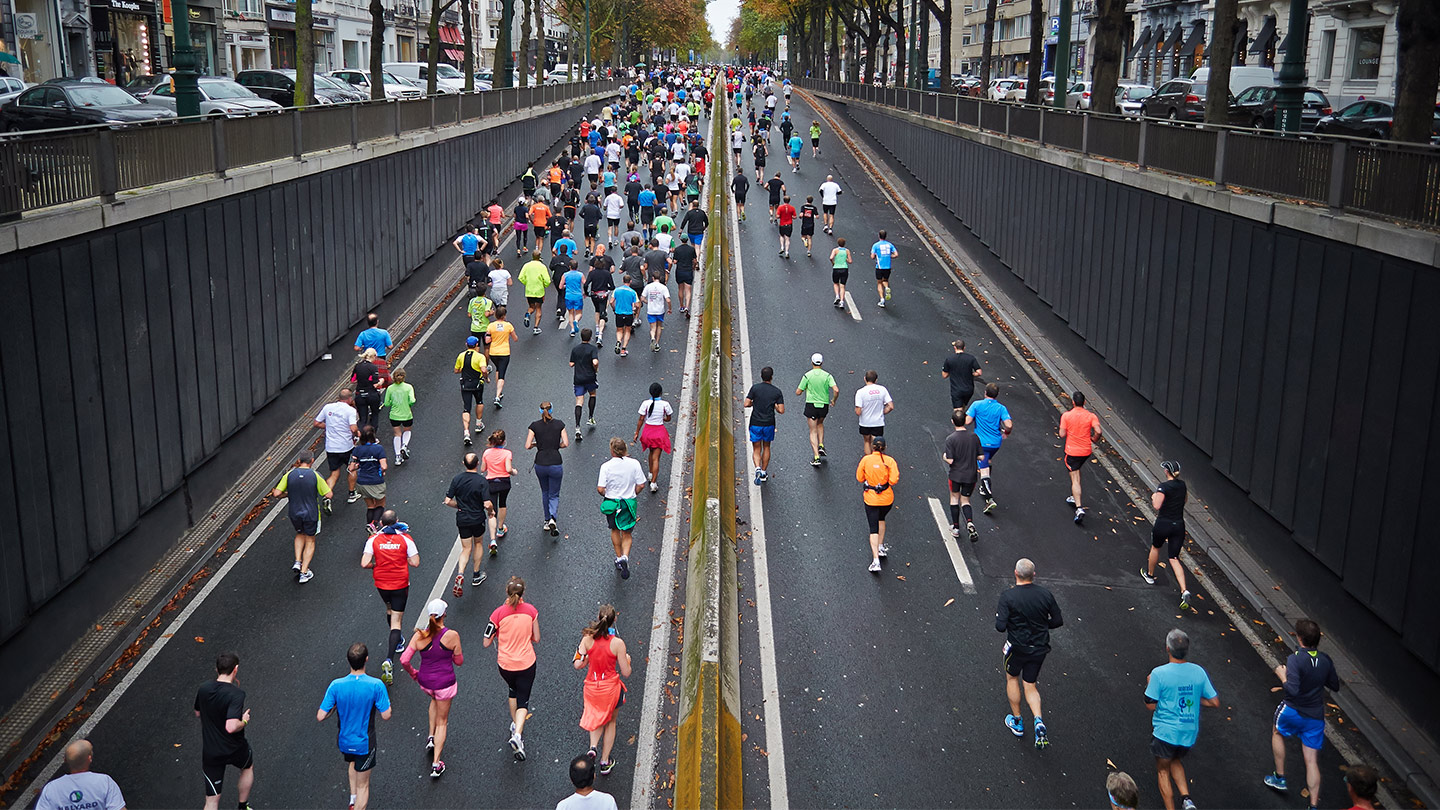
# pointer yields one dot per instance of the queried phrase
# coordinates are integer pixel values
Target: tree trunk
(502, 45)
(832, 69)
(987, 51)
(1037, 55)
(540, 42)
(945, 14)
(1418, 27)
(1110, 48)
(897, 24)
(525, 45)
(432, 53)
(1222, 49)
(377, 49)
(304, 54)
(817, 39)
(468, 64)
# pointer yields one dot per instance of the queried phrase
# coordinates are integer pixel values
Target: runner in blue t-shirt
(647, 212)
(883, 252)
(795, 145)
(992, 424)
(624, 299)
(356, 698)
(573, 282)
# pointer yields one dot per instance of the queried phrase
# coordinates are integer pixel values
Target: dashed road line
(967, 582)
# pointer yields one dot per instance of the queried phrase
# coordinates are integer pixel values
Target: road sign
(784, 48)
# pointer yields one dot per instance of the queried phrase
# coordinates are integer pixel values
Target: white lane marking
(658, 662)
(764, 622)
(450, 562)
(32, 792)
(956, 558)
(850, 304)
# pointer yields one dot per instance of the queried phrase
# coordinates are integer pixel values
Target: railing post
(354, 125)
(1007, 119)
(1042, 126)
(434, 114)
(395, 109)
(1220, 140)
(1085, 133)
(1144, 141)
(217, 142)
(480, 99)
(1336, 197)
(460, 107)
(299, 145)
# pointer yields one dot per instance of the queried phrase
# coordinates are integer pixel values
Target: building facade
(1010, 55)
(1352, 48)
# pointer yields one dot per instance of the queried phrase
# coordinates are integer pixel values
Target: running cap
(436, 607)
(472, 341)
(1172, 467)
(816, 359)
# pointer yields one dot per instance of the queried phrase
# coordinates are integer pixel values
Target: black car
(141, 85)
(75, 103)
(279, 86)
(1255, 107)
(1177, 100)
(1369, 119)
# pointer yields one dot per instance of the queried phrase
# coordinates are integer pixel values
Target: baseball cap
(472, 341)
(816, 359)
(1172, 467)
(436, 607)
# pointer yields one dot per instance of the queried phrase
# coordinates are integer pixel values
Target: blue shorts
(574, 303)
(582, 390)
(762, 433)
(987, 454)
(697, 239)
(794, 154)
(1290, 723)
(656, 318)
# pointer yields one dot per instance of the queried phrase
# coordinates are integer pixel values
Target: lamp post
(587, 39)
(1290, 79)
(187, 89)
(1062, 55)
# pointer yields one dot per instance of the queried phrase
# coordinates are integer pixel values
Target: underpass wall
(132, 353)
(1304, 366)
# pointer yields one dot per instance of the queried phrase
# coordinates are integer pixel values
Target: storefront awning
(451, 34)
(1265, 37)
(1197, 37)
(455, 54)
(1174, 41)
(1140, 43)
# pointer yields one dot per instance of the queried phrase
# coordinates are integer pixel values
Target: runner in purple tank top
(439, 650)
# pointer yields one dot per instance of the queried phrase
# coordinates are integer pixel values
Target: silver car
(219, 97)
(1129, 96)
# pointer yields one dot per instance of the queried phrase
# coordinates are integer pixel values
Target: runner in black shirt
(598, 284)
(740, 186)
(765, 400)
(684, 255)
(220, 705)
(590, 214)
(962, 453)
(776, 187)
(585, 359)
(1169, 530)
(807, 222)
(1026, 614)
(962, 370)
(469, 495)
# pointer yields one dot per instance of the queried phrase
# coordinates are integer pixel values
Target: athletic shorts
(807, 226)
(794, 155)
(827, 209)
(816, 412)
(470, 398)
(337, 461)
(500, 362)
(1290, 723)
(601, 310)
(962, 488)
(875, 515)
(401, 423)
(814, 141)
(363, 762)
(375, 492)
(1164, 750)
(962, 401)
(647, 215)
(623, 321)
(1075, 463)
(882, 274)
(877, 430)
(684, 276)
(587, 388)
(1167, 531)
(655, 318)
(591, 231)
(573, 303)
(1025, 667)
(612, 224)
(762, 433)
(520, 682)
(786, 230)
(306, 526)
(214, 769)
(534, 302)
(539, 231)
(395, 600)
(740, 197)
(986, 453)
(839, 276)
(471, 529)
(499, 493)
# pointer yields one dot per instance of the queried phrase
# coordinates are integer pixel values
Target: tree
(377, 49)
(540, 42)
(437, 8)
(1037, 44)
(304, 54)
(468, 63)
(1109, 51)
(1222, 56)
(832, 68)
(525, 65)
(1418, 25)
(504, 68)
(987, 51)
(944, 12)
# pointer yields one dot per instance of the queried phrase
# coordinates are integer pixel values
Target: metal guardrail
(54, 167)
(1379, 178)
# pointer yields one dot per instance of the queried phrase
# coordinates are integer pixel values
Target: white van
(447, 78)
(1242, 77)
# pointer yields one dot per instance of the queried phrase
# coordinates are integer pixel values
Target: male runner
(469, 495)
(764, 400)
(962, 370)
(962, 453)
(872, 403)
(535, 278)
(499, 338)
(883, 253)
(1026, 614)
(693, 224)
(992, 424)
(471, 366)
(391, 553)
(829, 198)
(625, 300)
(807, 223)
(573, 286)
(304, 489)
(1168, 501)
(599, 282)
(590, 214)
(615, 205)
(820, 391)
(220, 705)
(684, 258)
(657, 306)
(356, 698)
(785, 222)
(1306, 674)
(1079, 428)
(776, 187)
(340, 421)
(796, 145)
(1174, 693)
(585, 359)
(740, 186)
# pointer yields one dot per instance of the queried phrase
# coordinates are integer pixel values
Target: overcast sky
(720, 13)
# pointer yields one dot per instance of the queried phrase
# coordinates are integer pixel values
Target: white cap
(436, 607)
(816, 359)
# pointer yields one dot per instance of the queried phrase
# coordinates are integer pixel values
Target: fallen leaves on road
(949, 602)
(199, 639)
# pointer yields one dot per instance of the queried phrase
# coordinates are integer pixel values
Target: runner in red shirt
(1076, 426)
(390, 554)
(785, 216)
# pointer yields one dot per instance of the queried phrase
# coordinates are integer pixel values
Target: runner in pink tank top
(600, 654)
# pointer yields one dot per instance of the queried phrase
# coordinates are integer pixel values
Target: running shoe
(1145, 575)
(875, 566)
(535, 330)
(990, 505)
(458, 589)
(821, 450)
(430, 744)
(624, 568)
(353, 497)
(502, 531)
(1080, 516)
(592, 753)
(1188, 804)
(327, 506)
(296, 566)
(974, 535)
(387, 672)
(579, 436)
(764, 476)
(887, 293)
(590, 422)
(1041, 739)
(512, 727)
(606, 767)
(527, 320)
(955, 531)
(758, 479)
(1070, 499)
(1015, 724)
(624, 352)
(617, 347)
(479, 426)
(881, 303)
(815, 462)
(884, 550)
(1276, 781)
(437, 769)
(494, 548)
(517, 747)
(807, 253)
(835, 303)
(399, 461)
(405, 453)
(554, 530)
(305, 577)
(467, 440)
(477, 579)
(654, 487)
(1185, 600)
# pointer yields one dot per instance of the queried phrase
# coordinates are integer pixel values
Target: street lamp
(187, 88)
(1290, 80)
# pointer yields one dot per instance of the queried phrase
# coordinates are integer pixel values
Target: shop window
(1365, 47)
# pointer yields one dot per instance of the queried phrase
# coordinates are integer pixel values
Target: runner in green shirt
(400, 398)
(819, 390)
(815, 138)
(480, 308)
(839, 271)
(535, 277)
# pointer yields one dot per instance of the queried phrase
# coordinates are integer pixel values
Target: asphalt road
(891, 686)
(292, 638)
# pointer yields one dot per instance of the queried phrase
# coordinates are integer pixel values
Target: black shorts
(520, 681)
(214, 768)
(807, 226)
(471, 529)
(1026, 667)
(1075, 463)
(306, 526)
(961, 402)
(827, 209)
(401, 422)
(1168, 531)
(539, 231)
(1165, 750)
(602, 311)
(612, 224)
(740, 198)
(647, 215)
(878, 430)
(591, 231)
(395, 600)
(839, 275)
(786, 230)
(337, 461)
(875, 515)
(472, 397)
(363, 762)
(962, 488)
(684, 276)
(760, 164)
(624, 321)
(882, 274)
(555, 190)
(816, 412)
(814, 141)
(500, 362)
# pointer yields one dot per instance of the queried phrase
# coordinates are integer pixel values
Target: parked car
(1255, 107)
(999, 88)
(278, 85)
(1080, 95)
(219, 98)
(968, 85)
(338, 90)
(76, 103)
(447, 78)
(140, 86)
(1128, 98)
(1242, 77)
(395, 86)
(1017, 89)
(1368, 119)
(10, 87)
(1177, 100)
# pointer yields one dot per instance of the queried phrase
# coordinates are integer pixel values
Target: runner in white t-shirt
(340, 421)
(829, 197)
(657, 305)
(871, 404)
